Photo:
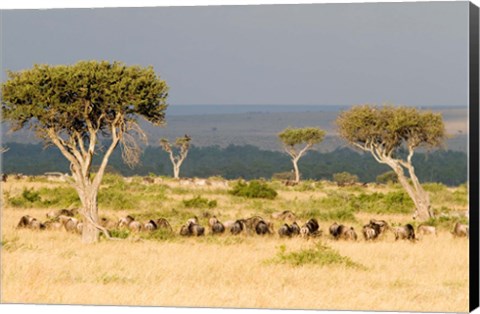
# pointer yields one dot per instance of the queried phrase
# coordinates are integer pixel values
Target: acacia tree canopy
(70, 97)
(390, 128)
(309, 135)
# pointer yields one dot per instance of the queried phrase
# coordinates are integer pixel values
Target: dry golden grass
(52, 267)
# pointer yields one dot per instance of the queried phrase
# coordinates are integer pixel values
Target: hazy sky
(403, 53)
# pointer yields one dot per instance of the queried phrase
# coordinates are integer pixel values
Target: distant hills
(217, 125)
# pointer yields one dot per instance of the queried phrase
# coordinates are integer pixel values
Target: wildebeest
(125, 221)
(288, 231)
(64, 212)
(258, 225)
(426, 230)
(4, 177)
(381, 224)
(193, 220)
(350, 234)
(215, 225)
(295, 228)
(310, 228)
(262, 228)
(71, 224)
(30, 223)
(369, 233)
(404, 232)
(334, 230)
(460, 230)
(163, 223)
(379, 227)
(107, 223)
(192, 229)
(285, 231)
(342, 232)
(130, 223)
(184, 230)
(218, 227)
(150, 225)
(196, 230)
(212, 221)
(135, 226)
(237, 227)
(251, 223)
(285, 215)
(53, 225)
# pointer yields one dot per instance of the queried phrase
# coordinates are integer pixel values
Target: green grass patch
(158, 235)
(397, 202)
(45, 198)
(253, 189)
(199, 202)
(321, 255)
(119, 233)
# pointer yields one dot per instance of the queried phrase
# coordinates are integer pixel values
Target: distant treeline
(248, 162)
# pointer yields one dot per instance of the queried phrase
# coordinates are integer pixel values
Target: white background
(43, 309)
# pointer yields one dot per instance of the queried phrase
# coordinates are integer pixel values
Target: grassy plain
(228, 271)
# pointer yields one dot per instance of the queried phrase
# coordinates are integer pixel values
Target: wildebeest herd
(64, 219)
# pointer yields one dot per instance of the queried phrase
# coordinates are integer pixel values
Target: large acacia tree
(73, 106)
(385, 132)
(293, 139)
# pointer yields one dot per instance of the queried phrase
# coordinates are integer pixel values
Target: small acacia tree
(385, 131)
(182, 144)
(292, 138)
(71, 106)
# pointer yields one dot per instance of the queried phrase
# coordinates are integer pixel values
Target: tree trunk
(90, 232)
(424, 211)
(297, 172)
(176, 171)
(418, 195)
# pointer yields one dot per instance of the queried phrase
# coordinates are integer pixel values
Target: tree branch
(115, 140)
(307, 147)
(55, 138)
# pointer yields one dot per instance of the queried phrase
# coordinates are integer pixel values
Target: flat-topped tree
(292, 138)
(71, 106)
(385, 131)
(182, 144)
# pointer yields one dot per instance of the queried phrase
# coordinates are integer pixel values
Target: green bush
(345, 179)
(46, 197)
(339, 215)
(253, 189)
(380, 203)
(31, 196)
(199, 202)
(320, 255)
(387, 177)
(119, 233)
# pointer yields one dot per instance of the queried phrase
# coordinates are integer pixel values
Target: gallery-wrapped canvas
(285, 156)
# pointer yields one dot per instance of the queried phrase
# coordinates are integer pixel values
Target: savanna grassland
(159, 268)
